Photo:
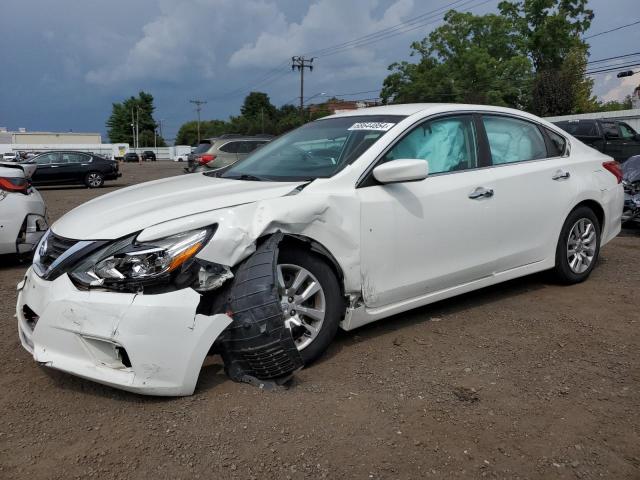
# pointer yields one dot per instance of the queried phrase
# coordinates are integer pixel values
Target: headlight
(127, 262)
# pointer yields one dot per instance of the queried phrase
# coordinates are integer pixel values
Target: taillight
(14, 184)
(614, 168)
(206, 159)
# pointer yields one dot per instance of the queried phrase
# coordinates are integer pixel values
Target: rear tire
(578, 246)
(328, 297)
(94, 180)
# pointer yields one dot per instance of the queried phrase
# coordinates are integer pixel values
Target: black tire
(334, 308)
(563, 271)
(94, 180)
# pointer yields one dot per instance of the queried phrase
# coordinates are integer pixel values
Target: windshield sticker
(378, 126)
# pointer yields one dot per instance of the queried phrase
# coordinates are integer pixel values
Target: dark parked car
(611, 137)
(131, 157)
(148, 155)
(65, 167)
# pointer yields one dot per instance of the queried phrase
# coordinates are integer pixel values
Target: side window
(230, 147)
(557, 145)
(626, 131)
(47, 158)
(73, 158)
(512, 140)
(246, 147)
(448, 144)
(610, 130)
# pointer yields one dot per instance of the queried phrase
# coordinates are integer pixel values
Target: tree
(530, 56)
(614, 105)
(124, 114)
(469, 59)
(551, 34)
(188, 132)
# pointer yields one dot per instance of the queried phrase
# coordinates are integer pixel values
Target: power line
(613, 58)
(613, 68)
(385, 30)
(612, 30)
(391, 34)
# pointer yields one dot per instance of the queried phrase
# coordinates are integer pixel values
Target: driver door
(422, 237)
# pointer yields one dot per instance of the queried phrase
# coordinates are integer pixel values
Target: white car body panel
(15, 207)
(398, 246)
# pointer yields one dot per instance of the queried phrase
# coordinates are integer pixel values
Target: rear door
(78, 164)
(614, 143)
(533, 188)
(228, 153)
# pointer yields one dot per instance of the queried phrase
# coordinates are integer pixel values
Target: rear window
(203, 147)
(583, 128)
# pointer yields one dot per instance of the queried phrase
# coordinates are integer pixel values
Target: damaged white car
(342, 222)
(22, 211)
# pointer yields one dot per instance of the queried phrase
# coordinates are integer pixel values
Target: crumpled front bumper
(149, 344)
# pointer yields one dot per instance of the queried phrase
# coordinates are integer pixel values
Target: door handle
(560, 175)
(481, 192)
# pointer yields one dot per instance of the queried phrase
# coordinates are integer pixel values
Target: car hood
(135, 208)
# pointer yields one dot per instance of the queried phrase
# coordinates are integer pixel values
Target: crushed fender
(257, 347)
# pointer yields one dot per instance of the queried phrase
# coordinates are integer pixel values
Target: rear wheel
(578, 246)
(310, 300)
(94, 180)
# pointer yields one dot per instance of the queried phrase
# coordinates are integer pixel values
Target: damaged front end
(142, 316)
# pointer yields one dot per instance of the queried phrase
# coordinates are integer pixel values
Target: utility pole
(137, 127)
(133, 129)
(301, 63)
(198, 104)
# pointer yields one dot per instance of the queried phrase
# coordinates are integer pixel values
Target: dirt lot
(523, 380)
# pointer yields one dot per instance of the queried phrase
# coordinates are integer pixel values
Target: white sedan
(22, 210)
(347, 220)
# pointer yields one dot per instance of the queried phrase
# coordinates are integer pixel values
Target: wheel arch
(595, 207)
(311, 245)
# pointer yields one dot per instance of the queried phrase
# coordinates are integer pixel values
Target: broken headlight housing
(127, 264)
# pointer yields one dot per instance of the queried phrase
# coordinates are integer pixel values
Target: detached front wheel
(310, 300)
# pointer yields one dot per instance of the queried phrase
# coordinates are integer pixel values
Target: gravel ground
(522, 380)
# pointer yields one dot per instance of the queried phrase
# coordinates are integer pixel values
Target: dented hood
(140, 206)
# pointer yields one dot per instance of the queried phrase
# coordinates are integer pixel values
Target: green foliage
(257, 115)
(469, 59)
(615, 105)
(188, 133)
(122, 115)
(529, 56)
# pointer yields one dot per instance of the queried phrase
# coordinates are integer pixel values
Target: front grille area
(55, 246)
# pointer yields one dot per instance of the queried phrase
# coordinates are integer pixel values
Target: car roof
(408, 109)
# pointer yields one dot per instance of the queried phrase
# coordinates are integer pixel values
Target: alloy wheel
(581, 245)
(94, 180)
(303, 303)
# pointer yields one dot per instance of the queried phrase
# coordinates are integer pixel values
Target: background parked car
(148, 155)
(67, 167)
(224, 151)
(611, 137)
(131, 157)
(22, 211)
(10, 157)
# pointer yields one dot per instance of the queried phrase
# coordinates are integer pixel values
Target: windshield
(316, 150)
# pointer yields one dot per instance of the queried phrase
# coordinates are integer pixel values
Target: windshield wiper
(246, 176)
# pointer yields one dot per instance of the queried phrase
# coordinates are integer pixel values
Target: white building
(22, 136)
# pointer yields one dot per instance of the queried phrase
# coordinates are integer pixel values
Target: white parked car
(22, 210)
(10, 157)
(344, 221)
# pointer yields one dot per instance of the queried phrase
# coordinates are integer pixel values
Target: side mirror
(402, 170)
(608, 134)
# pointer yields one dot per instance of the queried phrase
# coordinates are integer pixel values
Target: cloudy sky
(65, 61)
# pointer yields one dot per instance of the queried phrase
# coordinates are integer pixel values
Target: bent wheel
(310, 301)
